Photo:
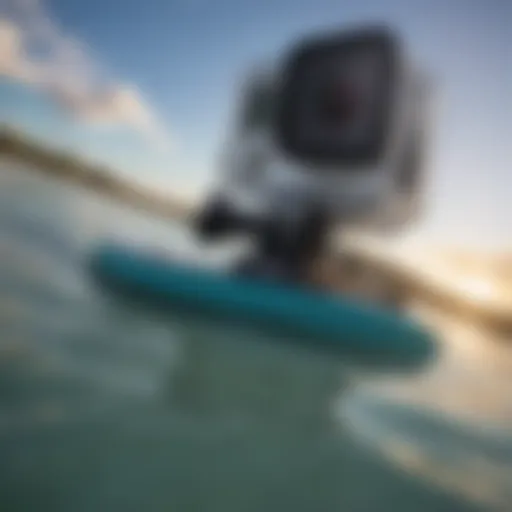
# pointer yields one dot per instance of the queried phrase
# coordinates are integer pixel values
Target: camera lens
(339, 103)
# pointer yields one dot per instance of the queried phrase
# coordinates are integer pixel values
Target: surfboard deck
(320, 320)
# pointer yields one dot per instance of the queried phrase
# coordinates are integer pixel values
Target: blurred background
(113, 116)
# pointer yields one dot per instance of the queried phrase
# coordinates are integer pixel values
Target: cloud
(34, 50)
(12, 60)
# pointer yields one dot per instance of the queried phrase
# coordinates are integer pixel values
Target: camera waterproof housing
(330, 133)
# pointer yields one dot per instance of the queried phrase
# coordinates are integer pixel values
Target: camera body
(331, 133)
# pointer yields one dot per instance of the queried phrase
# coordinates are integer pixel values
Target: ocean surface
(107, 404)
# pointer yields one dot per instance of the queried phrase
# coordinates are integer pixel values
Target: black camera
(336, 98)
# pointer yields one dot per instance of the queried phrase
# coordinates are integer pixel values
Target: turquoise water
(106, 404)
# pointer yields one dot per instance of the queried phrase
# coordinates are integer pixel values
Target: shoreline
(72, 169)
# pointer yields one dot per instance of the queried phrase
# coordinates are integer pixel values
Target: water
(110, 405)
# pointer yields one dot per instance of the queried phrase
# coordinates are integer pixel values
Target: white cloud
(12, 59)
(34, 50)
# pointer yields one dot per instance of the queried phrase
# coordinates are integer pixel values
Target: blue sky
(184, 59)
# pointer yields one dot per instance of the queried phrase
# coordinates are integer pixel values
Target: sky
(149, 88)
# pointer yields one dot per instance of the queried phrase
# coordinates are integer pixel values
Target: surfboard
(321, 320)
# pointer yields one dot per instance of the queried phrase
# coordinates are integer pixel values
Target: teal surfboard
(317, 319)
